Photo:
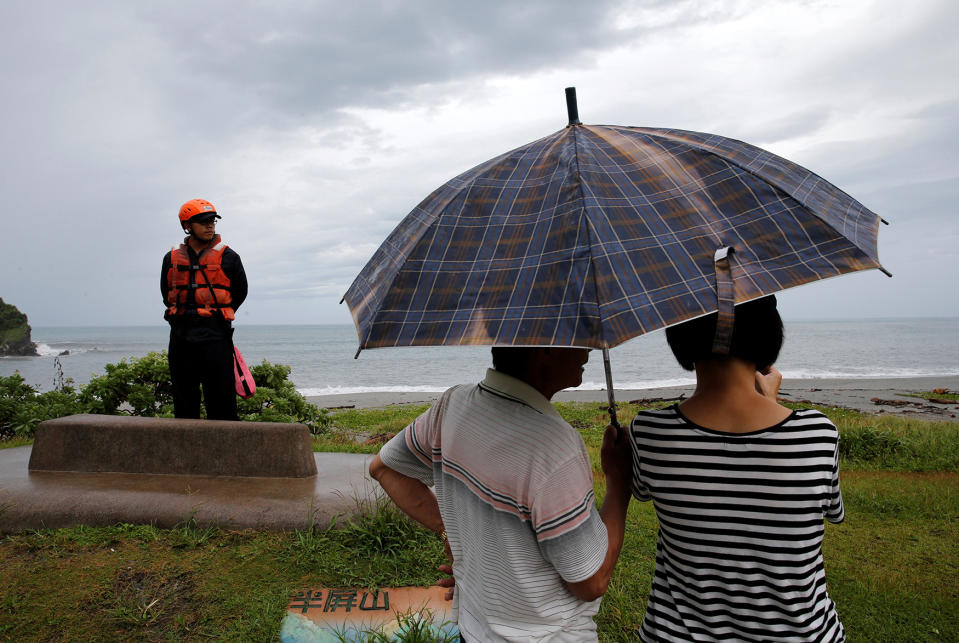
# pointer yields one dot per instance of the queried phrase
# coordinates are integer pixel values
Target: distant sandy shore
(855, 394)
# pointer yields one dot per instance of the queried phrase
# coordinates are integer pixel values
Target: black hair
(757, 335)
(512, 360)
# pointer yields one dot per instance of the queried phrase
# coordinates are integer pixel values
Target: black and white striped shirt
(738, 555)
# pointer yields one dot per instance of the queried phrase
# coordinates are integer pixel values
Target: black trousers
(208, 364)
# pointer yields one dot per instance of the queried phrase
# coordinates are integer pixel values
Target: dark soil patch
(151, 603)
(379, 438)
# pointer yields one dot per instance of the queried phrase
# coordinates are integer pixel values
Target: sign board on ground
(340, 614)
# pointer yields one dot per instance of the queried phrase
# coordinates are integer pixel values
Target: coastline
(851, 393)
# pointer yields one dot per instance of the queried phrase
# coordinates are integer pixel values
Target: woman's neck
(726, 398)
(724, 376)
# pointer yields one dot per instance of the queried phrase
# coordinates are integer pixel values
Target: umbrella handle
(609, 389)
(572, 110)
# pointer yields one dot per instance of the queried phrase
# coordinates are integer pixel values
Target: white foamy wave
(350, 390)
(45, 350)
(636, 386)
(890, 373)
(585, 386)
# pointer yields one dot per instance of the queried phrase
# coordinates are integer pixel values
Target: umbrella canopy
(599, 233)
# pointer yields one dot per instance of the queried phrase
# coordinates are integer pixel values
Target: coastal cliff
(14, 332)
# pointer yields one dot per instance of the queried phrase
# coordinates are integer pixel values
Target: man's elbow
(590, 589)
(377, 468)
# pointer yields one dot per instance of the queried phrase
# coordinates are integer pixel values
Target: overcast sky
(314, 127)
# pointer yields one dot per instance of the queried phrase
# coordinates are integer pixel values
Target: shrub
(141, 386)
(22, 408)
(869, 443)
(276, 400)
(138, 387)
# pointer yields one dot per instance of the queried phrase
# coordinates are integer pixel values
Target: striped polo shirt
(515, 489)
(738, 555)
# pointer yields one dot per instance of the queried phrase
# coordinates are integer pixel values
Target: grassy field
(892, 566)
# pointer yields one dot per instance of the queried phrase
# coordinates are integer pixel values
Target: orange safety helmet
(195, 207)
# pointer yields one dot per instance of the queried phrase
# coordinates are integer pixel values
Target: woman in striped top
(741, 486)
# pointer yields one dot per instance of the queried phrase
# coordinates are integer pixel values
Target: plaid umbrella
(598, 233)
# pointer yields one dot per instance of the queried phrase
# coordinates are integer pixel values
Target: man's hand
(447, 569)
(617, 461)
(449, 582)
(768, 382)
(616, 457)
(419, 503)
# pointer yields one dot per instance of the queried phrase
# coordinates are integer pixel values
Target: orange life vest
(199, 289)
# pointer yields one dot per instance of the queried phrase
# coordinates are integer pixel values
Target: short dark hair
(757, 335)
(512, 360)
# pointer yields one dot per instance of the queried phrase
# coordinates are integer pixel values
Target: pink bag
(245, 386)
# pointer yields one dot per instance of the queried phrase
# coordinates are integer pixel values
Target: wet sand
(855, 394)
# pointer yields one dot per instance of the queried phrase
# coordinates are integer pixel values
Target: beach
(851, 393)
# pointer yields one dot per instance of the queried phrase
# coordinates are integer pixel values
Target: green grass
(365, 430)
(951, 396)
(15, 442)
(416, 627)
(190, 583)
(891, 443)
(892, 566)
(389, 419)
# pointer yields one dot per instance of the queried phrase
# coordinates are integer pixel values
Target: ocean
(321, 356)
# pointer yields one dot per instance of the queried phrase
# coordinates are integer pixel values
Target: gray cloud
(116, 112)
(276, 65)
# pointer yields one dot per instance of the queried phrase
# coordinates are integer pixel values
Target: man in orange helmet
(203, 284)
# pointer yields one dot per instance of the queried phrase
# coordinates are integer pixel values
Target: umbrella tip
(571, 108)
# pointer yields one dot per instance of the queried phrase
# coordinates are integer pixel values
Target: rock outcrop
(14, 332)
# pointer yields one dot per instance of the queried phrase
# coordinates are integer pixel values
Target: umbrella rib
(403, 256)
(712, 229)
(395, 262)
(502, 229)
(420, 273)
(811, 245)
(572, 258)
(752, 171)
(778, 183)
(623, 290)
(795, 252)
(589, 244)
(629, 258)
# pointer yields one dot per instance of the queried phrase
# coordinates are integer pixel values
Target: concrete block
(127, 444)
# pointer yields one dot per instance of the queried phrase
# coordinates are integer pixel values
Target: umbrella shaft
(609, 388)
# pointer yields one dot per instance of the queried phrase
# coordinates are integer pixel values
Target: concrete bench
(127, 444)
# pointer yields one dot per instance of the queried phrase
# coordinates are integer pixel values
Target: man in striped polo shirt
(514, 496)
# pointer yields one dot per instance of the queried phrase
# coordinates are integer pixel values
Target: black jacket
(193, 328)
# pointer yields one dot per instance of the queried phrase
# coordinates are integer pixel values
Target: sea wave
(887, 373)
(641, 385)
(637, 385)
(351, 390)
(45, 350)
(430, 388)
